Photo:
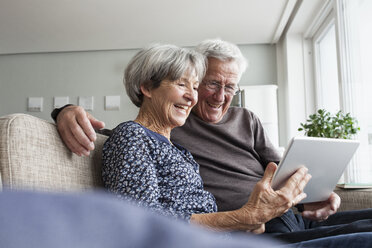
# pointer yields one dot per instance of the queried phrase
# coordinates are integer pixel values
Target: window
(342, 63)
(365, 43)
(327, 89)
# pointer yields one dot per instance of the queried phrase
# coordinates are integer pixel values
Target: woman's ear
(145, 90)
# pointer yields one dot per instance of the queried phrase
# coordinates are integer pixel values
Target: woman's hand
(265, 203)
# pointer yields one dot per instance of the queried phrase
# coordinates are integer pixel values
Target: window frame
(334, 13)
(323, 29)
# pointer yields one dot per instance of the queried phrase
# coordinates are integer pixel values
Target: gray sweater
(232, 154)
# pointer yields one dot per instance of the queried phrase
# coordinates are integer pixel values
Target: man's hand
(76, 128)
(265, 203)
(322, 210)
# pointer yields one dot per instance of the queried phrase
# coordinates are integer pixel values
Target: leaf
(324, 124)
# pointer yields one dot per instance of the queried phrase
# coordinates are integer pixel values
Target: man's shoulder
(239, 110)
(239, 113)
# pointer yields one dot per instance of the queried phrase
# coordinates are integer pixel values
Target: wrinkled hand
(76, 128)
(320, 211)
(265, 203)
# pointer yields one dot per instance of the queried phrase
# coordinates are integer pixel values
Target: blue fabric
(293, 228)
(97, 220)
(142, 165)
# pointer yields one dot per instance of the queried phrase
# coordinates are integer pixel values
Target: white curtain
(355, 41)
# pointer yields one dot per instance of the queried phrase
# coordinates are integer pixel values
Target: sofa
(33, 157)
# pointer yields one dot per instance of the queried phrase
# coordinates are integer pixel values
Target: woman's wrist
(240, 219)
(250, 214)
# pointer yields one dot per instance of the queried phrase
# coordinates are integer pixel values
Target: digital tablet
(325, 158)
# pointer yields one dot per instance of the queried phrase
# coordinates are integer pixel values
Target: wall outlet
(86, 102)
(112, 102)
(60, 101)
(35, 104)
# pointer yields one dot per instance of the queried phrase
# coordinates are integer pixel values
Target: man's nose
(220, 94)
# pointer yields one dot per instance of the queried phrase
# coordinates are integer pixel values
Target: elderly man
(234, 155)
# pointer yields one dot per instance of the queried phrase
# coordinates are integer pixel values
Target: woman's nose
(192, 95)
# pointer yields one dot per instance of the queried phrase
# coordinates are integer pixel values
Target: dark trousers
(293, 228)
(352, 240)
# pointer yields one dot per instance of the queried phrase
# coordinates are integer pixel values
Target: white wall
(95, 73)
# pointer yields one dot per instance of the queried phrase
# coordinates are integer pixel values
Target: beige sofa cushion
(32, 156)
(352, 199)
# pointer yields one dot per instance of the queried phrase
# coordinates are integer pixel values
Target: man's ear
(145, 90)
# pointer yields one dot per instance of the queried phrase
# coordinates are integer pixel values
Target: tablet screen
(325, 158)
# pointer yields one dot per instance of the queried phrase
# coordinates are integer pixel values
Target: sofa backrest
(33, 156)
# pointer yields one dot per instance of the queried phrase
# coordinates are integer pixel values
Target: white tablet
(325, 158)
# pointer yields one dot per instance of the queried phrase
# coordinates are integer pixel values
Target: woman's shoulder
(127, 127)
(126, 131)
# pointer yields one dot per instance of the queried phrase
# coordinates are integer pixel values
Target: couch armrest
(33, 156)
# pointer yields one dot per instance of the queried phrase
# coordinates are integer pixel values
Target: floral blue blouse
(144, 166)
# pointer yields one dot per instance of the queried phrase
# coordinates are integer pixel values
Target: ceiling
(80, 25)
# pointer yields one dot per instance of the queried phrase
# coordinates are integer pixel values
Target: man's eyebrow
(213, 80)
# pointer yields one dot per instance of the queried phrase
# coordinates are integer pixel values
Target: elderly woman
(139, 160)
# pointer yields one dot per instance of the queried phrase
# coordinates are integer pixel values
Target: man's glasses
(230, 90)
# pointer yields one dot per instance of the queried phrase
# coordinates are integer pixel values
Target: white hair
(157, 62)
(224, 51)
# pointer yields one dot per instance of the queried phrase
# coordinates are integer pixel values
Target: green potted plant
(323, 124)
